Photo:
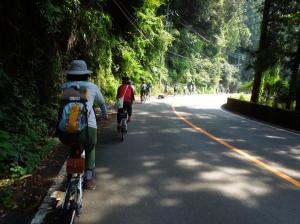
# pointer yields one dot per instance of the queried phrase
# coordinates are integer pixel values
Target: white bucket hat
(78, 67)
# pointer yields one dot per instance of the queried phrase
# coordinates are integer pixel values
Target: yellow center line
(241, 152)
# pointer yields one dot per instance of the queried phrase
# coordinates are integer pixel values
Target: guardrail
(284, 118)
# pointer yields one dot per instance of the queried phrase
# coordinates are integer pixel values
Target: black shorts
(128, 107)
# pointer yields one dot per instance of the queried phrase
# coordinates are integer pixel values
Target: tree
(296, 78)
(259, 65)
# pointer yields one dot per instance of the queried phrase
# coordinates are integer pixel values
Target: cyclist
(175, 89)
(131, 84)
(148, 89)
(126, 91)
(166, 89)
(184, 89)
(143, 89)
(78, 75)
(191, 88)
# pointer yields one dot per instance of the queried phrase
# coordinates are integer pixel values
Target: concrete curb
(47, 204)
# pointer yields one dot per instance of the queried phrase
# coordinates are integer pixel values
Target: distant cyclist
(191, 88)
(148, 89)
(184, 89)
(131, 84)
(143, 90)
(127, 91)
(175, 89)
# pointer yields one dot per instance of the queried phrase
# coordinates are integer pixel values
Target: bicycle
(143, 97)
(73, 197)
(147, 95)
(123, 129)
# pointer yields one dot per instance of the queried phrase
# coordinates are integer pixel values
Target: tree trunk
(296, 73)
(259, 68)
(294, 82)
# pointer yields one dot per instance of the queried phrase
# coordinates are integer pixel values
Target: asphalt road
(198, 165)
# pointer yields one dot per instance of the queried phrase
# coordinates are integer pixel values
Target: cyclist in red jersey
(127, 91)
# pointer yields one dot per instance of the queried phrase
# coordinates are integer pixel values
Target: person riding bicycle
(175, 89)
(78, 75)
(131, 84)
(126, 91)
(143, 89)
(185, 89)
(148, 89)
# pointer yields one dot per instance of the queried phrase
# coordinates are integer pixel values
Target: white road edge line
(47, 203)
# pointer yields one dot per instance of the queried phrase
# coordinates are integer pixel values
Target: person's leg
(90, 151)
(129, 110)
(90, 148)
(119, 117)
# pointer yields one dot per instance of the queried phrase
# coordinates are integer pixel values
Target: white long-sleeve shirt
(93, 94)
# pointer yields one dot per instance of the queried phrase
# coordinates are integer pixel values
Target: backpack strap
(125, 91)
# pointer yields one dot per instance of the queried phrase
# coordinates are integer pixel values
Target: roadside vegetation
(220, 46)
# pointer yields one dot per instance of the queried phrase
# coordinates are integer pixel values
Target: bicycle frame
(73, 197)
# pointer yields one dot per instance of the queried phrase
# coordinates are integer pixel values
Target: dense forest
(250, 46)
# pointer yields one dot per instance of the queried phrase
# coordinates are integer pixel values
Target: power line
(146, 38)
(132, 17)
(256, 7)
(205, 39)
(127, 17)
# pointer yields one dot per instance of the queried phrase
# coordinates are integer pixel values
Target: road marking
(240, 151)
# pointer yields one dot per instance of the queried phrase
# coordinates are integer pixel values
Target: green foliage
(244, 97)
(246, 86)
(17, 170)
(6, 196)
(24, 141)
(210, 48)
(109, 87)
(274, 87)
(7, 151)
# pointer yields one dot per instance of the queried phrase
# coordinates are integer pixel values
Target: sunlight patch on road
(232, 183)
(217, 175)
(154, 116)
(204, 116)
(170, 131)
(149, 163)
(142, 113)
(234, 127)
(286, 170)
(188, 162)
(274, 137)
(138, 132)
(233, 140)
(258, 162)
(115, 192)
(169, 202)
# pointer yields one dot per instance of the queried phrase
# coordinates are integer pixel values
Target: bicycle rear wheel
(70, 206)
(123, 129)
(143, 98)
(122, 135)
